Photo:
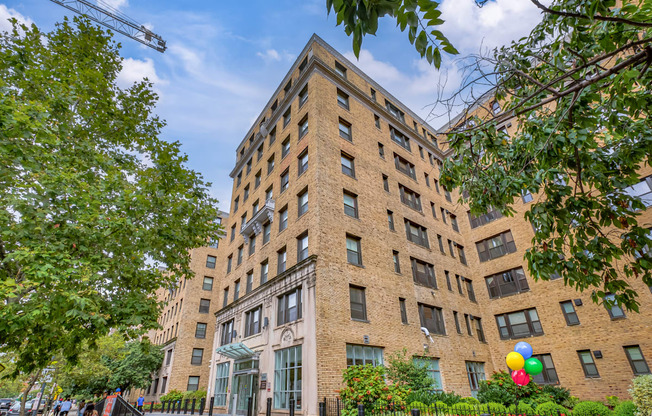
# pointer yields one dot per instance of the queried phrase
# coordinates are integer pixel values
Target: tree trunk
(30, 384)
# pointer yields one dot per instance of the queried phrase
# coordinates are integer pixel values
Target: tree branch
(596, 17)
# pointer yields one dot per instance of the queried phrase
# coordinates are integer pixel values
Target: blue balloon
(524, 349)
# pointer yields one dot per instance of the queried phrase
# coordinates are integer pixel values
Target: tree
(409, 373)
(578, 89)
(135, 369)
(93, 204)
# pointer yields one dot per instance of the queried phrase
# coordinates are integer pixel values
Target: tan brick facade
(325, 324)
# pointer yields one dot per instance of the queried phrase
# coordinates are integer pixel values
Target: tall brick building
(342, 249)
(188, 324)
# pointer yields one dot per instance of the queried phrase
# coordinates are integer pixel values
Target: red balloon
(520, 377)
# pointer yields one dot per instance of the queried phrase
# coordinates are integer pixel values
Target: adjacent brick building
(342, 248)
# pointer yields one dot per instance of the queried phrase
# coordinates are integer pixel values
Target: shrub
(470, 400)
(439, 408)
(463, 409)
(409, 373)
(197, 394)
(172, 395)
(612, 401)
(448, 398)
(550, 409)
(521, 409)
(641, 393)
(571, 402)
(591, 409)
(625, 408)
(494, 408)
(417, 405)
(366, 385)
(502, 389)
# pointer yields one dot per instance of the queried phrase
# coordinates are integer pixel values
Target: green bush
(494, 408)
(197, 394)
(439, 408)
(641, 393)
(522, 409)
(591, 409)
(417, 405)
(463, 409)
(448, 398)
(172, 395)
(550, 409)
(625, 408)
(470, 400)
(366, 385)
(612, 401)
(571, 402)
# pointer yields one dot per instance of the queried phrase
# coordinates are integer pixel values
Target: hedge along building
(342, 249)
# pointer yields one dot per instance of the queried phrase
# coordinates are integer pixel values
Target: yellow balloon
(515, 361)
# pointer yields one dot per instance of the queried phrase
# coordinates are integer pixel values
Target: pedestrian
(90, 407)
(65, 407)
(57, 407)
(82, 408)
(140, 402)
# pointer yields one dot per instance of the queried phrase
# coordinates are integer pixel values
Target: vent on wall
(365, 339)
(578, 302)
(597, 354)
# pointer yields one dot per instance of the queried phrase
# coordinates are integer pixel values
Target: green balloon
(533, 366)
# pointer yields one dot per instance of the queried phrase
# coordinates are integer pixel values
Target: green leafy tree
(134, 370)
(92, 202)
(578, 89)
(409, 373)
(366, 385)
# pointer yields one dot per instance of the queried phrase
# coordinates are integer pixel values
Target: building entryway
(244, 385)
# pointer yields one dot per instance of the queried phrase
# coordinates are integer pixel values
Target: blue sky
(226, 58)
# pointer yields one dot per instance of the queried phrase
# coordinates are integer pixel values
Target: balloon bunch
(523, 364)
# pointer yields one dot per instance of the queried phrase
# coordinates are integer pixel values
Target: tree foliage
(409, 373)
(577, 88)
(92, 201)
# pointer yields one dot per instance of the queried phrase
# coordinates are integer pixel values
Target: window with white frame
(221, 383)
(287, 377)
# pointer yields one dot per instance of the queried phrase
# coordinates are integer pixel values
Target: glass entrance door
(244, 385)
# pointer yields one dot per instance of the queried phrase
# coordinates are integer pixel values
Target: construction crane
(110, 17)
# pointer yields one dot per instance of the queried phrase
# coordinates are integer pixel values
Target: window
(248, 166)
(358, 303)
(458, 279)
(404, 166)
(448, 280)
(250, 281)
(469, 289)
(303, 96)
(457, 322)
(492, 215)
(204, 305)
(343, 99)
(197, 356)
(410, 198)
(642, 191)
(257, 179)
(345, 130)
(285, 180)
(423, 273)
(303, 162)
(570, 314)
(236, 290)
(353, 252)
(444, 215)
(350, 204)
(588, 365)
(164, 382)
(287, 87)
(441, 244)
(636, 360)
(240, 252)
(208, 283)
(414, 125)
(362, 355)
(289, 307)
(506, 283)
(303, 65)
(432, 367)
(527, 197)
(200, 330)
(340, 69)
(519, 324)
(229, 263)
(454, 222)
(285, 147)
(264, 270)
(394, 111)
(401, 305)
(287, 116)
(303, 127)
(270, 164)
(259, 151)
(272, 134)
(397, 261)
(302, 202)
(549, 374)
(478, 329)
(283, 219)
(252, 321)
(495, 107)
(475, 372)
(269, 193)
(432, 319)
(427, 179)
(385, 183)
(221, 383)
(226, 297)
(377, 121)
(460, 252)
(390, 220)
(228, 334)
(302, 246)
(267, 230)
(238, 181)
(436, 185)
(193, 383)
(615, 311)
(373, 94)
(348, 166)
(252, 244)
(282, 260)
(447, 195)
(496, 246)
(168, 358)
(416, 233)
(287, 377)
(210, 262)
(421, 154)
(400, 139)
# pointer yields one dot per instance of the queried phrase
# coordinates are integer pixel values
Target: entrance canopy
(236, 351)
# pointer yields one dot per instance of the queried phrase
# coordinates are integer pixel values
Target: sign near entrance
(263, 384)
(108, 405)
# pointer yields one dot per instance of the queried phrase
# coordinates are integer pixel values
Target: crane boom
(121, 24)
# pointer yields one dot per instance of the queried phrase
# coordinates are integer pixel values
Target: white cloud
(115, 4)
(272, 55)
(6, 14)
(134, 70)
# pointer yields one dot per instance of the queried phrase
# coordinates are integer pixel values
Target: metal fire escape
(110, 17)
